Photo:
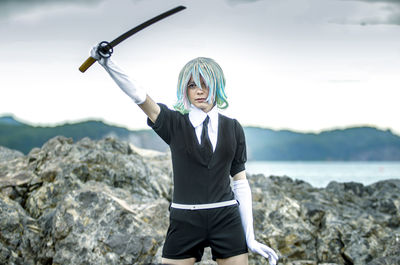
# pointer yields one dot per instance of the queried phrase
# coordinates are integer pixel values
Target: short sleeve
(164, 123)
(240, 158)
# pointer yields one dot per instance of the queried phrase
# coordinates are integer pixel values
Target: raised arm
(150, 108)
(128, 85)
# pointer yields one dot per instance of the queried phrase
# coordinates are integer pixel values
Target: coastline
(321, 173)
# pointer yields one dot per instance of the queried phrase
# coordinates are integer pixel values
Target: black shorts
(190, 231)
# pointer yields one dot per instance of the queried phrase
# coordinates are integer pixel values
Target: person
(206, 149)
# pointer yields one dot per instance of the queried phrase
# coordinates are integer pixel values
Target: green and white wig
(213, 77)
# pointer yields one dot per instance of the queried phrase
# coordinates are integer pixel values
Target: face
(198, 95)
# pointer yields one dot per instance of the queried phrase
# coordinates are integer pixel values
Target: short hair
(213, 77)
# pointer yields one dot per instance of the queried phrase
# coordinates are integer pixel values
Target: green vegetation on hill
(22, 137)
(359, 143)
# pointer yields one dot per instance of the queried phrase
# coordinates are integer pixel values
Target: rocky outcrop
(106, 202)
(345, 223)
(85, 203)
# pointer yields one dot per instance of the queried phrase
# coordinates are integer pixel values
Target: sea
(320, 173)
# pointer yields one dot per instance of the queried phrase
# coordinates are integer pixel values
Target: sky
(303, 65)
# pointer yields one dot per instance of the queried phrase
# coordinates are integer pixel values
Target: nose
(200, 90)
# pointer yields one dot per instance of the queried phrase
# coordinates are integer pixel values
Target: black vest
(197, 181)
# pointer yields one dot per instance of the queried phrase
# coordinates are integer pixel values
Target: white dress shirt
(197, 117)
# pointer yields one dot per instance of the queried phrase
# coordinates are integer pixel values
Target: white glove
(127, 85)
(241, 189)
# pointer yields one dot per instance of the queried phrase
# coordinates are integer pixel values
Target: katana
(106, 48)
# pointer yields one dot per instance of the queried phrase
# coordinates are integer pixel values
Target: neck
(207, 110)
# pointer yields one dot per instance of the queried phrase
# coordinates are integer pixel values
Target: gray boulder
(92, 202)
(346, 223)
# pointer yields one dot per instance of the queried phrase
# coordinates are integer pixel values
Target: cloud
(379, 1)
(390, 19)
(235, 2)
(373, 12)
(344, 81)
(367, 12)
(9, 8)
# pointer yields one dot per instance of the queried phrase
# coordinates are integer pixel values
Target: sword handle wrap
(87, 64)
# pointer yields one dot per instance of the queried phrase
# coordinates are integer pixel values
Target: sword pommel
(87, 64)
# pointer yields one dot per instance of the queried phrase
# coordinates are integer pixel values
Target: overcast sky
(305, 65)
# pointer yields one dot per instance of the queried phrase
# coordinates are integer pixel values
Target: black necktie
(205, 140)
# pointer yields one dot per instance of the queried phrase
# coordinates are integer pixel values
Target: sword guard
(104, 49)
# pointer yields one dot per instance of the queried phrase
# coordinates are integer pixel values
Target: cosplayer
(206, 148)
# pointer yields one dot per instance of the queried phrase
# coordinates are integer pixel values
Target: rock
(106, 202)
(19, 235)
(346, 223)
(90, 202)
(62, 166)
(91, 227)
(9, 154)
(391, 254)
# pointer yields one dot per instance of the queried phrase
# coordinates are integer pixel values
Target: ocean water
(320, 173)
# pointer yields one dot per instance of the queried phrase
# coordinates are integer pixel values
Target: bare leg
(189, 261)
(241, 259)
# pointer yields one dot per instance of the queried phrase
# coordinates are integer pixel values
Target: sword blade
(145, 25)
(129, 33)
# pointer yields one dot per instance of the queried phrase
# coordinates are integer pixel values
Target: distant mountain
(25, 137)
(9, 120)
(358, 143)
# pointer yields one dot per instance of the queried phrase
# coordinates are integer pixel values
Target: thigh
(241, 259)
(189, 261)
(226, 235)
(186, 236)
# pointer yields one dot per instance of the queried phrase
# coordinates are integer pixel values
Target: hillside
(358, 143)
(23, 137)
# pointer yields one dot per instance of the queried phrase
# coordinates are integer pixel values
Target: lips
(201, 99)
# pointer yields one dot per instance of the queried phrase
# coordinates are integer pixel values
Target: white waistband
(203, 206)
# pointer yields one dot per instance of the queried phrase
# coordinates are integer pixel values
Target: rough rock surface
(345, 223)
(8, 154)
(106, 202)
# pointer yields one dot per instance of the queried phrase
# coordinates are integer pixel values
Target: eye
(191, 85)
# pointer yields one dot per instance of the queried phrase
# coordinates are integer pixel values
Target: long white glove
(127, 85)
(241, 189)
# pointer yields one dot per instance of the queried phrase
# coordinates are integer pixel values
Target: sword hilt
(89, 61)
(104, 50)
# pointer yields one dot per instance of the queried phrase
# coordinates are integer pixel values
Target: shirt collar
(197, 116)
